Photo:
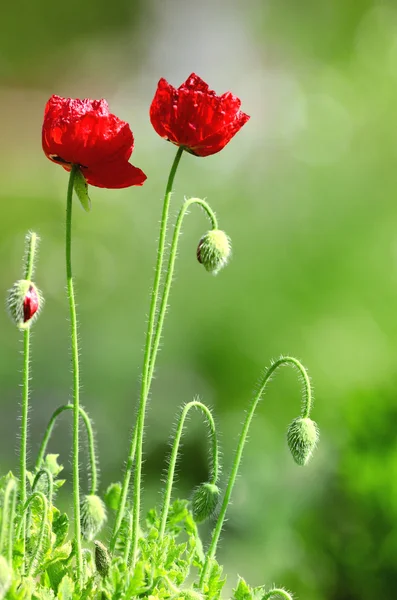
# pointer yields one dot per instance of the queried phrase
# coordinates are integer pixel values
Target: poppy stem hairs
(76, 373)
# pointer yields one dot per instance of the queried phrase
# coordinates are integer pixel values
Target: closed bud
(92, 516)
(5, 577)
(302, 437)
(214, 250)
(204, 502)
(24, 303)
(102, 559)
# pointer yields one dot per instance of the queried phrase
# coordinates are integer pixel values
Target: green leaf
(81, 189)
(66, 588)
(242, 591)
(113, 495)
(215, 583)
(51, 463)
(60, 526)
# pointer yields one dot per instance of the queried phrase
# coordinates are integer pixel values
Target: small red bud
(24, 303)
(30, 304)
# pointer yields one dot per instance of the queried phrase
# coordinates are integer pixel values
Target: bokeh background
(307, 192)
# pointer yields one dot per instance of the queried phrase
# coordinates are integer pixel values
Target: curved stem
(7, 520)
(37, 548)
(76, 376)
(214, 463)
(277, 592)
(137, 435)
(170, 271)
(50, 483)
(306, 406)
(90, 437)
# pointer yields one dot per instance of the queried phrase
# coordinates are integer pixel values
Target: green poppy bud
(24, 303)
(5, 577)
(102, 559)
(204, 502)
(92, 516)
(214, 250)
(302, 437)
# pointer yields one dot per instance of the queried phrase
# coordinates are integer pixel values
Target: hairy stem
(76, 376)
(50, 483)
(135, 450)
(277, 592)
(306, 406)
(170, 271)
(31, 245)
(214, 460)
(37, 548)
(7, 520)
(90, 437)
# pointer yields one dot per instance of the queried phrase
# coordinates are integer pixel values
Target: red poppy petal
(114, 175)
(88, 139)
(195, 83)
(217, 141)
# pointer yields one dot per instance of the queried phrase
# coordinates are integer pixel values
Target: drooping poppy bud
(92, 516)
(24, 303)
(204, 502)
(302, 437)
(5, 577)
(214, 250)
(102, 559)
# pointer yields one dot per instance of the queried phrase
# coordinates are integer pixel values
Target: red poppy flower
(85, 133)
(194, 117)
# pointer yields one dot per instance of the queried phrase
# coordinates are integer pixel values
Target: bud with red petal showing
(214, 250)
(24, 303)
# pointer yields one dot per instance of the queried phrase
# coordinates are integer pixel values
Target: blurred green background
(307, 192)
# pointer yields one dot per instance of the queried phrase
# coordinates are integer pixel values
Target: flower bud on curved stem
(205, 501)
(214, 250)
(302, 437)
(306, 407)
(214, 458)
(91, 442)
(92, 515)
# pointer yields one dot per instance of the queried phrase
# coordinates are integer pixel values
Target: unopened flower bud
(302, 437)
(24, 303)
(113, 496)
(204, 502)
(214, 250)
(102, 559)
(5, 577)
(92, 516)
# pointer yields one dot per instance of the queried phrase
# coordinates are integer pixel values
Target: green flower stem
(277, 592)
(76, 376)
(214, 460)
(91, 442)
(306, 406)
(7, 520)
(137, 436)
(170, 271)
(50, 483)
(31, 245)
(37, 548)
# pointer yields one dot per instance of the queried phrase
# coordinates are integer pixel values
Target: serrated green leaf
(65, 588)
(60, 526)
(51, 463)
(242, 591)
